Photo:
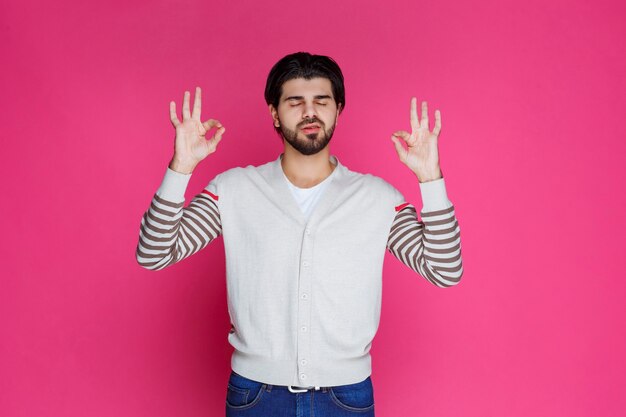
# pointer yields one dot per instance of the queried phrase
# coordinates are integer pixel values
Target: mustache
(309, 121)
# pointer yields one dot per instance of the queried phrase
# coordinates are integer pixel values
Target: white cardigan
(304, 297)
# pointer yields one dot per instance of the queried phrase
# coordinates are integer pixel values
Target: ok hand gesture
(191, 146)
(422, 155)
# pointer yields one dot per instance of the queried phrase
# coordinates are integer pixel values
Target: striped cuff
(173, 186)
(434, 195)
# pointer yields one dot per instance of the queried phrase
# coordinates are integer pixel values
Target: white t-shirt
(307, 198)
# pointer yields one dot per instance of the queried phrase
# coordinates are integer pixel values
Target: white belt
(293, 388)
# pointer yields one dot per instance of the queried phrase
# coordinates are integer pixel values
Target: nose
(309, 111)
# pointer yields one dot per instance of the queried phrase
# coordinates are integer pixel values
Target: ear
(274, 114)
(338, 110)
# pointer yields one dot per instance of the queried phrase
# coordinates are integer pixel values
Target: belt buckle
(295, 389)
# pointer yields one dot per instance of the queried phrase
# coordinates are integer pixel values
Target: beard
(312, 143)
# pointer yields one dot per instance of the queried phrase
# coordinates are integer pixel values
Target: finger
(173, 116)
(402, 134)
(414, 122)
(218, 135)
(186, 114)
(424, 122)
(437, 128)
(399, 148)
(211, 123)
(197, 104)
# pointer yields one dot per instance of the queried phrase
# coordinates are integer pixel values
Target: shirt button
(302, 376)
(303, 328)
(305, 296)
(303, 362)
(308, 231)
(305, 263)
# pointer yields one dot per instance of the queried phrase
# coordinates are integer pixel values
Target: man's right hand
(191, 146)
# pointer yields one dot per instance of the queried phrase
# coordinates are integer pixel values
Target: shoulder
(235, 173)
(221, 180)
(381, 188)
(384, 189)
(234, 177)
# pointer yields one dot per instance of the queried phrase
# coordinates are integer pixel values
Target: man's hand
(422, 155)
(191, 146)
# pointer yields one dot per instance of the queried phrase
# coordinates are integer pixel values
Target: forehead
(302, 87)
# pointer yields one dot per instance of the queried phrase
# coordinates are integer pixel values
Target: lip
(311, 126)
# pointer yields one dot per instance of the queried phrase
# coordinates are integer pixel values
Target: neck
(306, 171)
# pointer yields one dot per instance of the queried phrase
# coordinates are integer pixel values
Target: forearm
(431, 247)
(169, 231)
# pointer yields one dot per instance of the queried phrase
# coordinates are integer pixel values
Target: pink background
(532, 97)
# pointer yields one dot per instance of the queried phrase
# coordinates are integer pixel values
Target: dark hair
(307, 66)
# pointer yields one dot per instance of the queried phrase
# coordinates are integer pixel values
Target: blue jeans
(248, 398)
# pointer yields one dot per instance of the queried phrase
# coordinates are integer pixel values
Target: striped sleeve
(169, 231)
(431, 247)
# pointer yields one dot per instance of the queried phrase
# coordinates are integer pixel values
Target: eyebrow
(317, 97)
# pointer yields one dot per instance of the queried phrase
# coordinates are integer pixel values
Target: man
(304, 239)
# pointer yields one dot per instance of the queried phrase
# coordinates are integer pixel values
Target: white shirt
(307, 198)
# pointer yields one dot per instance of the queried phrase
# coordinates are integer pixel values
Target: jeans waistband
(269, 387)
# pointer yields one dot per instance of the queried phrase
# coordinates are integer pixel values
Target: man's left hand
(422, 155)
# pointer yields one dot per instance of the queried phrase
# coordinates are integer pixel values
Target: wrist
(432, 176)
(183, 167)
